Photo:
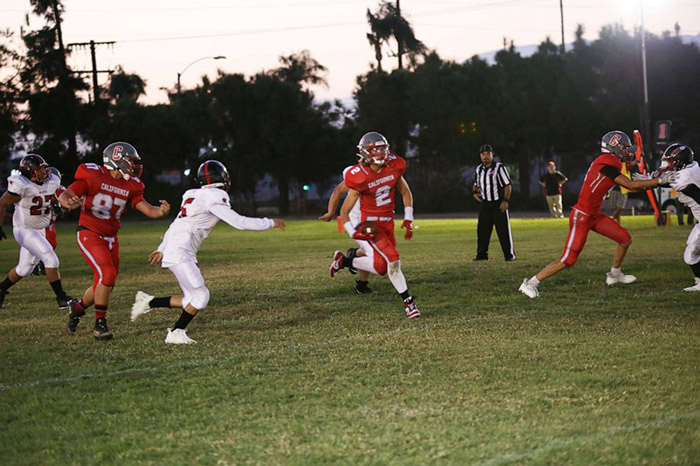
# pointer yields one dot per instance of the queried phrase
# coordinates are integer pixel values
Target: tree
(50, 88)
(9, 94)
(387, 23)
(125, 86)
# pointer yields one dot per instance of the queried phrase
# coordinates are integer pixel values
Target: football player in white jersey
(679, 158)
(201, 210)
(362, 282)
(33, 192)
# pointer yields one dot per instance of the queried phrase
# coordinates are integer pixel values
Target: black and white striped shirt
(490, 181)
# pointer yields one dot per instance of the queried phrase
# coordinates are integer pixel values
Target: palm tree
(125, 86)
(387, 23)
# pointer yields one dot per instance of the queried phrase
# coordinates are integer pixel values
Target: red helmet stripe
(206, 171)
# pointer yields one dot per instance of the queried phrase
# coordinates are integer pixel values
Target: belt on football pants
(380, 219)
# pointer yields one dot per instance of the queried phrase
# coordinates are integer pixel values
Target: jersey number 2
(38, 203)
(383, 196)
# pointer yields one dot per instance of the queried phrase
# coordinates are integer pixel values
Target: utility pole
(72, 135)
(92, 44)
(561, 10)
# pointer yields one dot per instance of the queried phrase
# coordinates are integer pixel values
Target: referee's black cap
(485, 148)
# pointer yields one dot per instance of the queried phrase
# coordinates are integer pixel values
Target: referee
(493, 189)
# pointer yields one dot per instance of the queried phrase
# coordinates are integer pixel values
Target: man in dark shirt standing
(492, 188)
(552, 182)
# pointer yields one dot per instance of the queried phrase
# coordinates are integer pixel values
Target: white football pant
(192, 285)
(34, 248)
(692, 248)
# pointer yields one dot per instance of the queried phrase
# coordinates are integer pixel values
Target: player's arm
(69, 199)
(240, 222)
(345, 209)
(407, 197)
(334, 201)
(634, 185)
(152, 211)
(6, 200)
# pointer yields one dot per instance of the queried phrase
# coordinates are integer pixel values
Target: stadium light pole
(218, 57)
(645, 109)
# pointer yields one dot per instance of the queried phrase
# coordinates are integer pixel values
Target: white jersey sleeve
(238, 221)
(355, 214)
(685, 178)
(17, 184)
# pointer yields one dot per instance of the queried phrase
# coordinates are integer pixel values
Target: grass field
(293, 368)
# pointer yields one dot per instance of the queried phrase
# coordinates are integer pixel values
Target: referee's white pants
(191, 282)
(692, 248)
(34, 247)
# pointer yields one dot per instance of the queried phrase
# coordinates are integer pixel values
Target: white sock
(396, 277)
(615, 271)
(534, 280)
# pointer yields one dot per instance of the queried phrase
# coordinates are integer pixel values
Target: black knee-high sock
(159, 302)
(696, 269)
(184, 319)
(58, 289)
(6, 284)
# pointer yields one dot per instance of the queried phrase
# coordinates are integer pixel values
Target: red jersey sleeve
(400, 165)
(136, 195)
(80, 185)
(355, 179)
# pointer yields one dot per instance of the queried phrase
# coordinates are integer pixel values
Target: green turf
(293, 368)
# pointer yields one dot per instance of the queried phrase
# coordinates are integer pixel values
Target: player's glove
(640, 177)
(408, 225)
(2, 234)
(667, 178)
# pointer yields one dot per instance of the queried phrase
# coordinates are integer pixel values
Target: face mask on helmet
(122, 157)
(618, 144)
(373, 149)
(34, 168)
(676, 157)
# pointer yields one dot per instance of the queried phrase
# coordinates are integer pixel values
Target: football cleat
(39, 269)
(2, 297)
(178, 336)
(73, 316)
(63, 302)
(362, 287)
(141, 305)
(695, 287)
(529, 289)
(409, 305)
(612, 278)
(100, 331)
(480, 258)
(337, 264)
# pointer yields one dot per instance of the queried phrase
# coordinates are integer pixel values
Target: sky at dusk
(157, 39)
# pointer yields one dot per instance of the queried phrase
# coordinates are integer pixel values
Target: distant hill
(527, 50)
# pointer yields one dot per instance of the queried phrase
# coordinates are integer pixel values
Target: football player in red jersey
(105, 191)
(605, 172)
(373, 181)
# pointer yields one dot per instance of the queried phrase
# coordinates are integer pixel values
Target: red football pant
(580, 223)
(384, 247)
(51, 235)
(102, 255)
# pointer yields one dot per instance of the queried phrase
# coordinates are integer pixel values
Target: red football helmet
(124, 158)
(33, 167)
(373, 148)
